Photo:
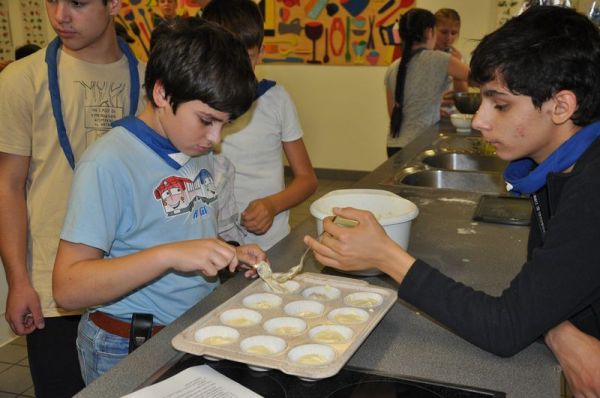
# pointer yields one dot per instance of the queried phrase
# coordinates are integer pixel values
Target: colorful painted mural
(325, 32)
(336, 32)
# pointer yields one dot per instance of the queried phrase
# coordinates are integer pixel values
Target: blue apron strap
(51, 60)
(51, 55)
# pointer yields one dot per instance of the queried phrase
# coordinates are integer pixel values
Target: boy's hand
(258, 216)
(247, 256)
(205, 255)
(579, 356)
(23, 310)
(363, 246)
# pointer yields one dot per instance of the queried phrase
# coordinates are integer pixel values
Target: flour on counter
(466, 231)
(457, 200)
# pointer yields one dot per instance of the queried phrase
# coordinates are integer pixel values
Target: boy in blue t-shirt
(151, 207)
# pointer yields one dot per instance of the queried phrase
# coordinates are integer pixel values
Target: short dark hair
(198, 60)
(242, 17)
(542, 51)
(25, 50)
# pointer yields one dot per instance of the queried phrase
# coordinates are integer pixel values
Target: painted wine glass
(314, 31)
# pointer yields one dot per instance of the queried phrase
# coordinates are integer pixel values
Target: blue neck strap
(51, 60)
(159, 144)
(263, 86)
(523, 177)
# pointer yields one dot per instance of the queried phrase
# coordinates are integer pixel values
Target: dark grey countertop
(406, 342)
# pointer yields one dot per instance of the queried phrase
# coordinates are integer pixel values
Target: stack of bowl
(467, 104)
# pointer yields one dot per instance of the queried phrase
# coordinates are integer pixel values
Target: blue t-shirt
(125, 198)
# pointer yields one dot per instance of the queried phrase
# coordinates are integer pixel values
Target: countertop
(406, 342)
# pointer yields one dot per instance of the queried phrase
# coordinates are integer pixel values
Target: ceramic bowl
(461, 121)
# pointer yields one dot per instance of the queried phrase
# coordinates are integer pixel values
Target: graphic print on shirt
(104, 102)
(178, 195)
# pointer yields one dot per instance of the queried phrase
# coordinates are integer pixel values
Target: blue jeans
(98, 350)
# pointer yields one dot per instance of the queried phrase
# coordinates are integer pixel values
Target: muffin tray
(310, 332)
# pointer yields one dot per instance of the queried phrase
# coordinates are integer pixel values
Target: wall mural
(32, 26)
(326, 32)
(34, 21)
(6, 43)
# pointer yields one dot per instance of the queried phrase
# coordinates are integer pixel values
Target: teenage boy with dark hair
(270, 128)
(150, 199)
(540, 83)
(54, 104)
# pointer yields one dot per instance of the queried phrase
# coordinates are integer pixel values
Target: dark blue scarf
(159, 144)
(263, 86)
(523, 177)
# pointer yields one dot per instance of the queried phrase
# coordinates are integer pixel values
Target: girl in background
(416, 81)
(447, 29)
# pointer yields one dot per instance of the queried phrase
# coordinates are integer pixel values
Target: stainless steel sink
(465, 162)
(457, 162)
(452, 179)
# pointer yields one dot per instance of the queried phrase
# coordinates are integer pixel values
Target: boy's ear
(114, 6)
(159, 95)
(565, 104)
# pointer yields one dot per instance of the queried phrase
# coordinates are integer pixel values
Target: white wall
(342, 110)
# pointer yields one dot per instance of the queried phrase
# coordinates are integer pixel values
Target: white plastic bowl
(461, 121)
(393, 212)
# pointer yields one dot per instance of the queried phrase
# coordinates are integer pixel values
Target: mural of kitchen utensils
(6, 43)
(316, 32)
(336, 32)
(140, 17)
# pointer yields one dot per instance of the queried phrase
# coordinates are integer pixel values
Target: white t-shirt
(93, 95)
(253, 143)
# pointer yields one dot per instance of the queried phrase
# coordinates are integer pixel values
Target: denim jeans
(98, 350)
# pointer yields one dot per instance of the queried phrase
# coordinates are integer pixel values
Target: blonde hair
(447, 14)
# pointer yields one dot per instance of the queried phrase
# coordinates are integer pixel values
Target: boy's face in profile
(514, 126)
(194, 129)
